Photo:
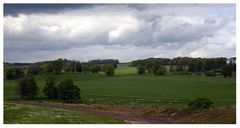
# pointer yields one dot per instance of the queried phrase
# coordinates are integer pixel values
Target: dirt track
(130, 114)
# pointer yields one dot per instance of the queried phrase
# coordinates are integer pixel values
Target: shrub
(27, 87)
(50, 90)
(109, 69)
(200, 103)
(68, 91)
(140, 70)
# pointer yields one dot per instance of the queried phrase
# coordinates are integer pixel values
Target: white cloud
(124, 32)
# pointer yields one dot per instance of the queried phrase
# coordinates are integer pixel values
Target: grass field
(20, 114)
(128, 88)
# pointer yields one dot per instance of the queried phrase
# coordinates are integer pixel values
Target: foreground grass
(26, 114)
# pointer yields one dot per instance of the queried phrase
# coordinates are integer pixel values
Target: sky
(40, 32)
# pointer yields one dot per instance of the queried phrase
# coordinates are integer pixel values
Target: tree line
(186, 65)
(62, 65)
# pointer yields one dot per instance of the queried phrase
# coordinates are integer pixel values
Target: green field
(20, 114)
(128, 88)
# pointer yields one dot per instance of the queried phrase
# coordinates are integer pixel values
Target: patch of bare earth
(223, 115)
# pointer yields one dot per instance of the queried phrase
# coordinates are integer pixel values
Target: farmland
(126, 87)
(138, 95)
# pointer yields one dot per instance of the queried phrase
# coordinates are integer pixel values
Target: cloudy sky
(126, 32)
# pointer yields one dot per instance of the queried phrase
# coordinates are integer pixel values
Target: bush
(14, 73)
(200, 103)
(140, 70)
(68, 91)
(109, 69)
(212, 74)
(50, 90)
(27, 87)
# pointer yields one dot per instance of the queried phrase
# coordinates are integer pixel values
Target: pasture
(126, 87)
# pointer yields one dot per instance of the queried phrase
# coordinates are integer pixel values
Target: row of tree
(66, 90)
(59, 66)
(210, 66)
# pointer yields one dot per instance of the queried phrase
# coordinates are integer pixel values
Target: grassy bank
(20, 114)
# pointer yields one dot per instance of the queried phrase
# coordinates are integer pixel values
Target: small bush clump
(200, 103)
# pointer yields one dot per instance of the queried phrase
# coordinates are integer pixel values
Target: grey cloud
(153, 29)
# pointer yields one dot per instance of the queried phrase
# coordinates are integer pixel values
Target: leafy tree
(227, 70)
(34, 69)
(149, 66)
(57, 66)
(27, 87)
(72, 66)
(140, 70)
(68, 91)
(78, 67)
(209, 64)
(13, 73)
(109, 69)
(50, 90)
(47, 68)
(85, 68)
(159, 69)
(95, 68)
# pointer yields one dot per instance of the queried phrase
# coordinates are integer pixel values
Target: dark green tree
(27, 87)
(227, 70)
(159, 69)
(78, 67)
(72, 66)
(95, 68)
(13, 73)
(50, 89)
(140, 70)
(68, 91)
(149, 66)
(47, 68)
(57, 66)
(109, 69)
(34, 69)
